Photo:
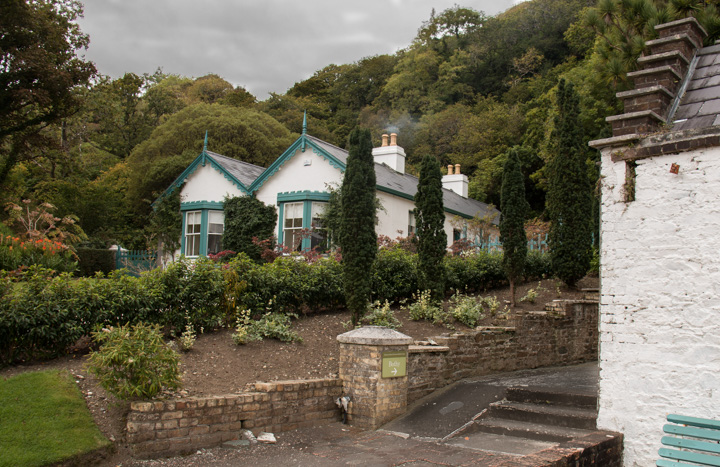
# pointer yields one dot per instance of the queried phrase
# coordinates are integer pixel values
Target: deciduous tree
(39, 71)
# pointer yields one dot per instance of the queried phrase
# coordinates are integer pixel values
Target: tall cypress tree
(513, 210)
(430, 220)
(569, 195)
(358, 239)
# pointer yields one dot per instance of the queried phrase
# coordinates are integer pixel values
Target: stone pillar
(375, 398)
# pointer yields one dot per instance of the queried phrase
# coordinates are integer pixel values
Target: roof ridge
(215, 154)
(325, 142)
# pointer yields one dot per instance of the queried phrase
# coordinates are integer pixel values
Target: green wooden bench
(693, 441)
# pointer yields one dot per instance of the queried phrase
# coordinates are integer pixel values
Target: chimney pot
(384, 139)
(457, 169)
(393, 139)
(450, 169)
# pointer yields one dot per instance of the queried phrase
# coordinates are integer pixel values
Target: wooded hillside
(468, 88)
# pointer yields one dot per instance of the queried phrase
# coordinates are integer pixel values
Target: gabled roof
(249, 178)
(700, 106)
(243, 172)
(240, 173)
(387, 179)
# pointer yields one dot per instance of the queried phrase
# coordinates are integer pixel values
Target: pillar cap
(374, 335)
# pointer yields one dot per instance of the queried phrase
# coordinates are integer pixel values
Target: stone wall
(659, 339)
(566, 335)
(177, 426)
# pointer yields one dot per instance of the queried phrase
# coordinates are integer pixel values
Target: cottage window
(292, 225)
(193, 224)
(216, 226)
(411, 223)
(318, 235)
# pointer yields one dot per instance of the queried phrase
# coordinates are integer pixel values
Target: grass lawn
(43, 419)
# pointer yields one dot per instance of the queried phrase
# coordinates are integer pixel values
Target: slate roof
(700, 105)
(245, 172)
(406, 184)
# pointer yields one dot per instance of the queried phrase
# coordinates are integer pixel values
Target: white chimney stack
(456, 181)
(390, 154)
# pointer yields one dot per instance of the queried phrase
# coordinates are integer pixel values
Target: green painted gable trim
(301, 143)
(201, 161)
(197, 205)
(412, 198)
(302, 196)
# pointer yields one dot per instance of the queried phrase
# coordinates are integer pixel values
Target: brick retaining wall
(566, 335)
(182, 425)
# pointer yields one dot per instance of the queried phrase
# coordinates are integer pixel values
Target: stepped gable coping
(644, 91)
(655, 70)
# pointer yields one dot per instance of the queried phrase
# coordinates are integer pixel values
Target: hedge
(92, 260)
(42, 315)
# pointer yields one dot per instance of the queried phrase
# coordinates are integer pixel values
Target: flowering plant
(15, 253)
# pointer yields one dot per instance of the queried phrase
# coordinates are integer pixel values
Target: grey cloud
(265, 46)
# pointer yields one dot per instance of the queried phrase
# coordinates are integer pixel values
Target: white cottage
(660, 272)
(298, 184)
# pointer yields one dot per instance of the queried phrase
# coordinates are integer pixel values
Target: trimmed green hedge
(43, 315)
(92, 260)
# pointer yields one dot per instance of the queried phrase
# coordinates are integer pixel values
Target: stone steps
(540, 417)
(546, 414)
(534, 431)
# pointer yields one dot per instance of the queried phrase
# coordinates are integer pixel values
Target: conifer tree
(513, 209)
(569, 196)
(430, 220)
(358, 239)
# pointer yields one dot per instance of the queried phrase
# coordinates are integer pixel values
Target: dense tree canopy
(467, 89)
(39, 73)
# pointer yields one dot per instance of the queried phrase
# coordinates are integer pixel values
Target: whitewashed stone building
(660, 265)
(298, 183)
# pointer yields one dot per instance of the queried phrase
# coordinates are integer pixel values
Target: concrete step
(564, 416)
(534, 431)
(518, 394)
(490, 442)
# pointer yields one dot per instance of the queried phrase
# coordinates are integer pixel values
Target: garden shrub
(134, 362)
(92, 260)
(188, 288)
(48, 254)
(272, 325)
(42, 314)
(424, 307)
(537, 265)
(381, 315)
(395, 274)
(35, 319)
(466, 309)
(475, 272)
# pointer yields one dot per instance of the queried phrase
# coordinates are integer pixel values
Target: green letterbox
(394, 364)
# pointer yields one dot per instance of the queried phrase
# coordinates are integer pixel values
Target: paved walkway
(412, 440)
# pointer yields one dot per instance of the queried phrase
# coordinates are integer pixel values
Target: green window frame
(292, 229)
(203, 226)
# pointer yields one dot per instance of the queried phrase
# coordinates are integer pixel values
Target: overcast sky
(263, 45)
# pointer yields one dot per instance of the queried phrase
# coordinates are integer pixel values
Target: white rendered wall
(660, 298)
(393, 218)
(295, 175)
(208, 184)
